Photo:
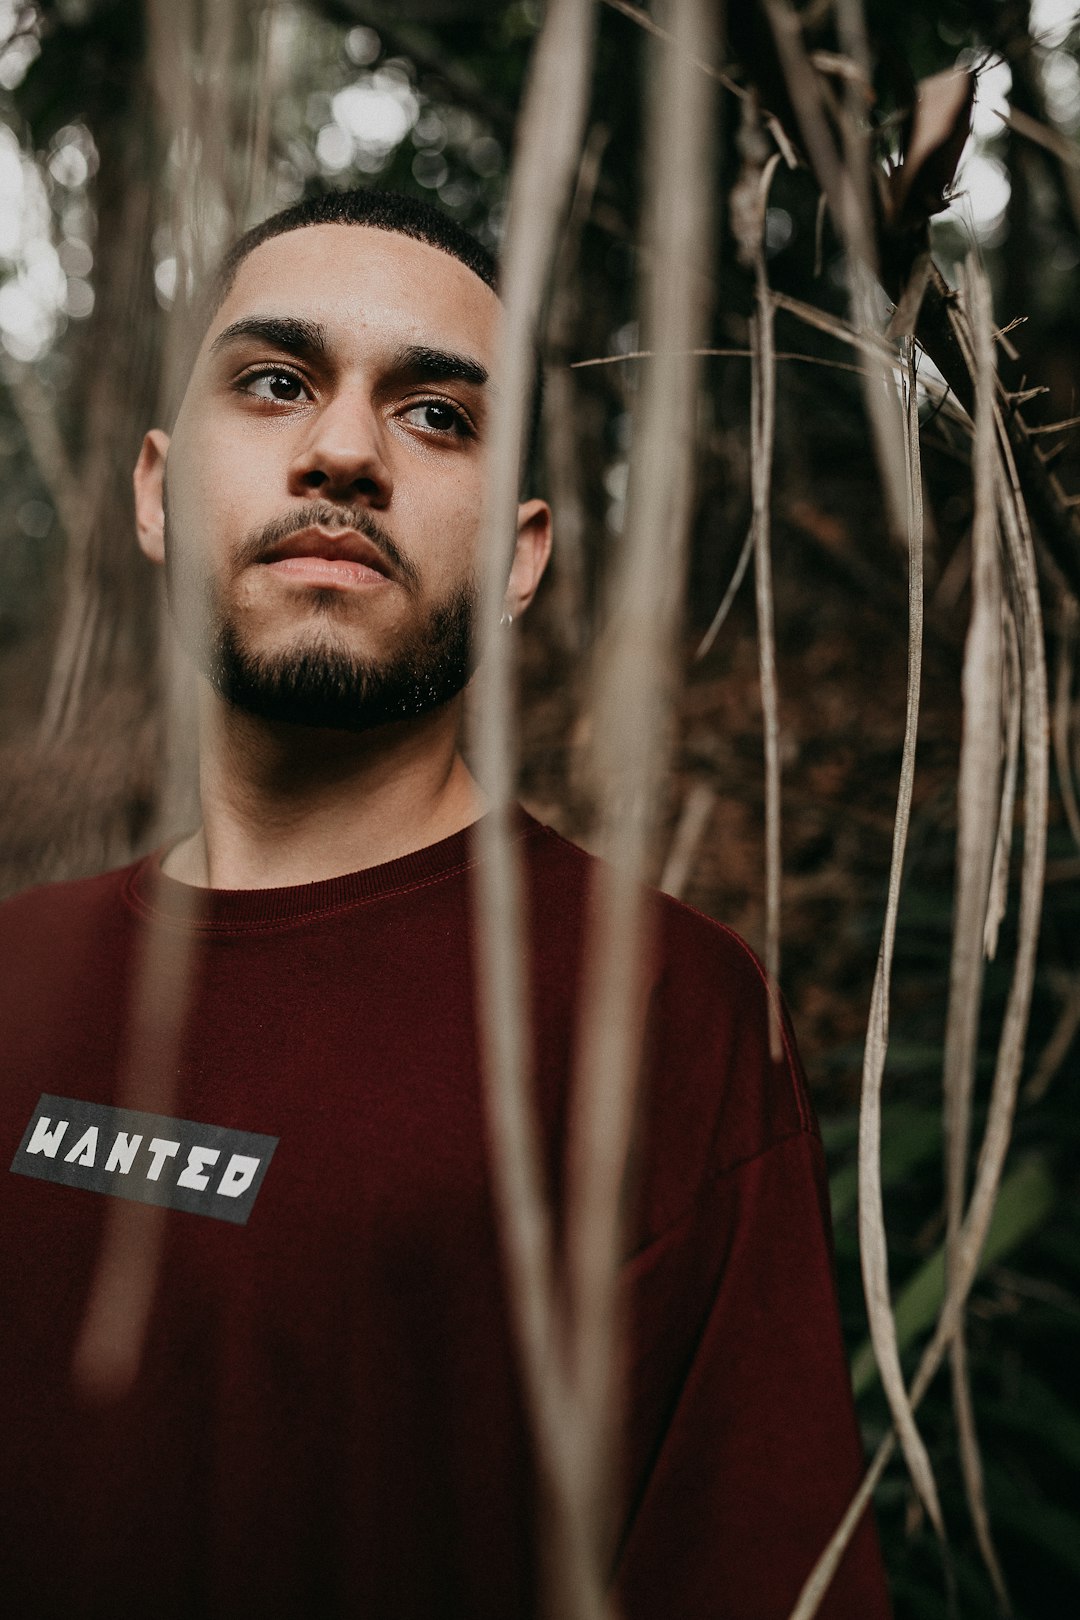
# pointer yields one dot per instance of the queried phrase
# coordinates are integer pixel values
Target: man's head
(319, 509)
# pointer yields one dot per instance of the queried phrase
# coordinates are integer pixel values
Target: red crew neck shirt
(327, 1418)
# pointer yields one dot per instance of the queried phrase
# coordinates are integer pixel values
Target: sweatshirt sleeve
(742, 1448)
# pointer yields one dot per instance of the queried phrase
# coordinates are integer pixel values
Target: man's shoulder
(685, 939)
(45, 906)
(725, 1083)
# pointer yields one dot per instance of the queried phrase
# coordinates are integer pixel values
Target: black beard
(329, 687)
(325, 685)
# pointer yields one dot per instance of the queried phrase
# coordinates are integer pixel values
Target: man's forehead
(358, 280)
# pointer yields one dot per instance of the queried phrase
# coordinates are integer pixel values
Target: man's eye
(280, 385)
(434, 416)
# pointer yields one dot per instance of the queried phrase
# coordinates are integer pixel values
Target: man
(271, 1371)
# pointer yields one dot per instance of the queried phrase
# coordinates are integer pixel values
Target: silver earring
(507, 619)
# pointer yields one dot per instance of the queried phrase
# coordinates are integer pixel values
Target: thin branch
(1051, 140)
(643, 20)
(693, 822)
(1057, 1047)
(723, 354)
(729, 596)
(1053, 427)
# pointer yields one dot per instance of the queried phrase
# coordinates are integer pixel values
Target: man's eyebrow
(307, 339)
(440, 365)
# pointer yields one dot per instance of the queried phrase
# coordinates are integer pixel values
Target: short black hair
(383, 210)
(405, 216)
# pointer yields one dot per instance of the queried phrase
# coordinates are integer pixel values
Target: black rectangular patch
(204, 1169)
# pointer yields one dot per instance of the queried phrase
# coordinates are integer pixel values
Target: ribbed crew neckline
(153, 894)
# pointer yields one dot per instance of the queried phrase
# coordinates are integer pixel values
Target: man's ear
(531, 552)
(149, 481)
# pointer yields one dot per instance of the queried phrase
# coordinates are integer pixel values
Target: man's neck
(284, 804)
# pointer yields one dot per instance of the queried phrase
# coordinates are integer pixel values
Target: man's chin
(319, 683)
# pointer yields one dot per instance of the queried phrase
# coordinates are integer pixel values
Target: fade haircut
(404, 216)
(383, 210)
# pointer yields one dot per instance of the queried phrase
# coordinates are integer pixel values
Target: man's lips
(328, 557)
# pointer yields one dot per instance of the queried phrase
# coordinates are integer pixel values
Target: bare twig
(1051, 140)
(670, 37)
(723, 354)
(1057, 1047)
(692, 824)
(728, 597)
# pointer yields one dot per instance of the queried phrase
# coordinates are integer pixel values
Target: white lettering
(123, 1151)
(44, 1140)
(189, 1175)
(238, 1175)
(161, 1149)
(85, 1149)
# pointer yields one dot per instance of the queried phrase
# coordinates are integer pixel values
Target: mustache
(325, 515)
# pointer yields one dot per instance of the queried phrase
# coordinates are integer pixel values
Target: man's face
(323, 492)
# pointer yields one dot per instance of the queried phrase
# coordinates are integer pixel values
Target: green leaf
(909, 1136)
(1023, 1203)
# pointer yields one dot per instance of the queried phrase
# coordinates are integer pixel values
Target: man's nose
(344, 457)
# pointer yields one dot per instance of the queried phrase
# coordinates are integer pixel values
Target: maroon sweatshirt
(327, 1417)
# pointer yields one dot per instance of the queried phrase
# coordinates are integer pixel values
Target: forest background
(136, 136)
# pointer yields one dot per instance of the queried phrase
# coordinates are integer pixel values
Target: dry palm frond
(897, 454)
(548, 146)
(978, 817)
(562, 458)
(118, 1309)
(971, 1465)
(762, 437)
(1063, 715)
(1011, 702)
(873, 1247)
(111, 1340)
(691, 828)
(1022, 582)
(633, 679)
